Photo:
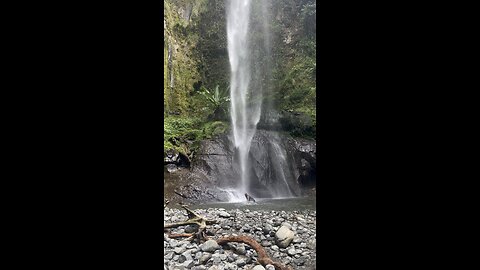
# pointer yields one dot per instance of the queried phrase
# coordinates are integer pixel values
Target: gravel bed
(288, 237)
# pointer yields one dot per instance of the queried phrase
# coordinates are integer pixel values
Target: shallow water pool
(285, 204)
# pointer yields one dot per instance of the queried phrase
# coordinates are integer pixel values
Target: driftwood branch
(193, 219)
(263, 257)
(178, 235)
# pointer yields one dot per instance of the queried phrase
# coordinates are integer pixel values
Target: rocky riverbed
(289, 237)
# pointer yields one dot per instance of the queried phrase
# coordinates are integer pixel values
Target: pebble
(297, 240)
(241, 250)
(266, 243)
(209, 246)
(169, 256)
(216, 259)
(267, 228)
(300, 260)
(241, 261)
(198, 255)
(179, 250)
(223, 214)
(191, 229)
(189, 264)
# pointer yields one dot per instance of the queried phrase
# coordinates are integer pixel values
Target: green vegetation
(297, 93)
(295, 72)
(196, 97)
(197, 71)
(218, 100)
(183, 133)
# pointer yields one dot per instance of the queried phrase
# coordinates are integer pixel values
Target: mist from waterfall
(249, 51)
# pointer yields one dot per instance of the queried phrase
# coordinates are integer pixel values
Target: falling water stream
(279, 167)
(244, 114)
(249, 71)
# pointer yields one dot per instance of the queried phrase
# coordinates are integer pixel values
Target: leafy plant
(184, 133)
(178, 131)
(211, 129)
(218, 100)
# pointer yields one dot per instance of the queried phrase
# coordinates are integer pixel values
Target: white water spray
(245, 114)
(249, 51)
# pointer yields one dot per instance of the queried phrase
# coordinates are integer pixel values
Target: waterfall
(249, 52)
(244, 117)
(280, 167)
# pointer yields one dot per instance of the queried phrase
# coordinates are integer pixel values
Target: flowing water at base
(285, 204)
(234, 196)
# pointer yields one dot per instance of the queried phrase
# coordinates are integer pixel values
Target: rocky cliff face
(180, 61)
(215, 167)
(195, 51)
(195, 55)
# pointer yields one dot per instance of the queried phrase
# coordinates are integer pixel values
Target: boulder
(284, 236)
(172, 168)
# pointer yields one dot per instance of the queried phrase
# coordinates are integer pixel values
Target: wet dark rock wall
(215, 167)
